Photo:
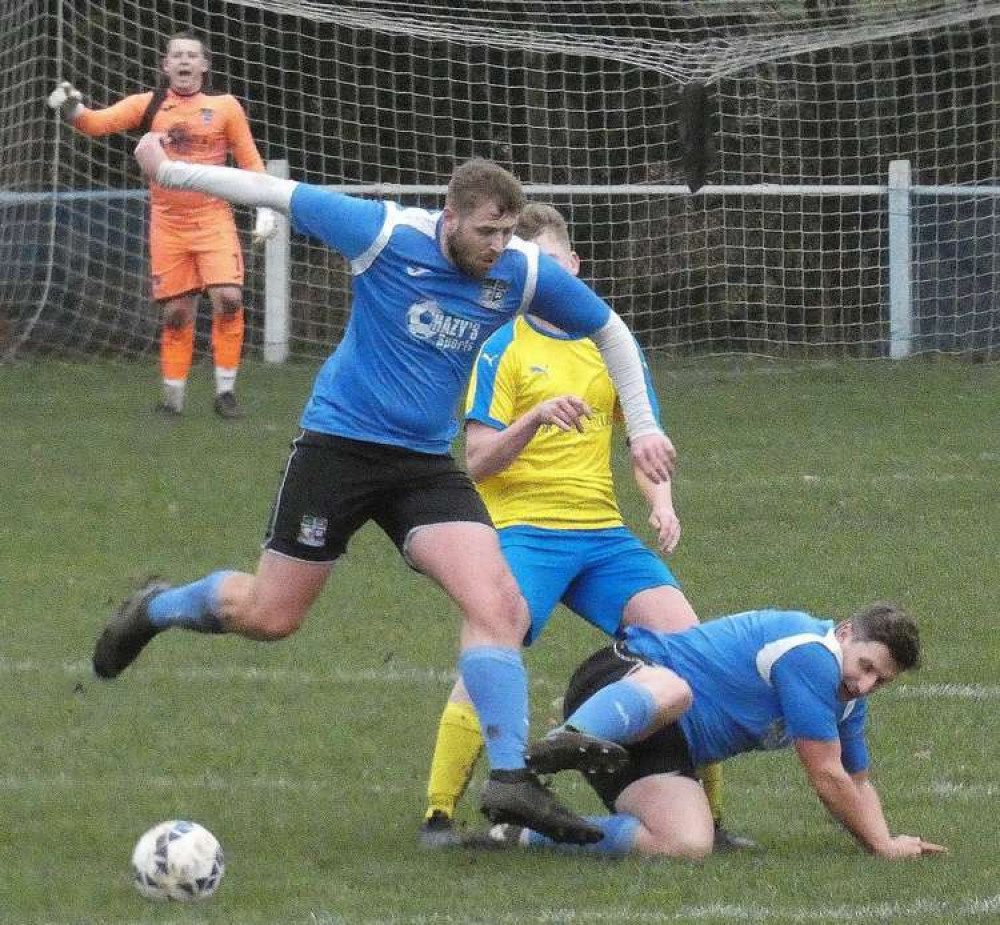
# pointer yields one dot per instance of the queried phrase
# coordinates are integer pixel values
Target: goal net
(783, 115)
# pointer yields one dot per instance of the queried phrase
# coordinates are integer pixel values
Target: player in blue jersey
(764, 679)
(429, 288)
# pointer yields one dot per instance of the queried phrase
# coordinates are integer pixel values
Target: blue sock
(189, 606)
(498, 687)
(619, 837)
(620, 712)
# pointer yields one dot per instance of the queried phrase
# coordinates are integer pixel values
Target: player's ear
(844, 631)
(574, 263)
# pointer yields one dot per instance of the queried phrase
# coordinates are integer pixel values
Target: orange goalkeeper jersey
(203, 129)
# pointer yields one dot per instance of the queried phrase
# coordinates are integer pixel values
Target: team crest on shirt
(492, 294)
(207, 115)
(312, 530)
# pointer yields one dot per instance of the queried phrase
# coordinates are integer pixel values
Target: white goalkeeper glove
(266, 226)
(67, 99)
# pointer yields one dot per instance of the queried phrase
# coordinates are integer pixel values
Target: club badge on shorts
(312, 530)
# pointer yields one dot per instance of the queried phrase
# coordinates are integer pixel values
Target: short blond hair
(538, 217)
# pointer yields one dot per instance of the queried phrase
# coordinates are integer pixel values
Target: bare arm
(489, 451)
(854, 802)
(662, 517)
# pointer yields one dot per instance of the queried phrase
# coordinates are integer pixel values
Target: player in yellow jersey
(539, 417)
(192, 237)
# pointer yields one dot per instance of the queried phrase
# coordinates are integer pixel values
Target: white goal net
(784, 115)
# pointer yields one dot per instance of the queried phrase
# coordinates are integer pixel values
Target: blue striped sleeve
(346, 224)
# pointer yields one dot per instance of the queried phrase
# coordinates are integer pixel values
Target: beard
(465, 256)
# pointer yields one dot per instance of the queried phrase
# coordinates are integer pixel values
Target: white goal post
(725, 165)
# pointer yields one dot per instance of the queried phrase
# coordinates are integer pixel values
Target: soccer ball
(177, 860)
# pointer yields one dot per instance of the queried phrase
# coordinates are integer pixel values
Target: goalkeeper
(539, 418)
(193, 243)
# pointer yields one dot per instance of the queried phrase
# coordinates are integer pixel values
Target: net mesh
(788, 112)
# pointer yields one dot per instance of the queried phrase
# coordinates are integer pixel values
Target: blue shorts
(595, 573)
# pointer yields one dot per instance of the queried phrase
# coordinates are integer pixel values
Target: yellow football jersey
(560, 480)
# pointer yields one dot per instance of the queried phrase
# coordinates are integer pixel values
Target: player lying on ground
(539, 419)
(764, 679)
(193, 243)
(429, 288)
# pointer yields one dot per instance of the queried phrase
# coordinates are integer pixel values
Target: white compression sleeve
(621, 356)
(243, 187)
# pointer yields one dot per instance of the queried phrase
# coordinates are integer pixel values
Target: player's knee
(689, 846)
(176, 317)
(692, 844)
(229, 302)
(512, 608)
(501, 612)
(270, 625)
(672, 693)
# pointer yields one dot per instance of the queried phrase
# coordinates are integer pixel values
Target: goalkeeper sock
(456, 751)
(619, 837)
(173, 394)
(496, 681)
(620, 712)
(192, 607)
(176, 352)
(227, 344)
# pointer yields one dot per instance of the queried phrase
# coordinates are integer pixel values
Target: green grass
(817, 486)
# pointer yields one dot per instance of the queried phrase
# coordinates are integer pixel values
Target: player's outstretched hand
(655, 456)
(265, 226)
(910, 846)
(668, 528)
(150, 154)
(565, 412)
(65, 98)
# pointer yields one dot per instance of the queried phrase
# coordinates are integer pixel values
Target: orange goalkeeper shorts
(189, 258)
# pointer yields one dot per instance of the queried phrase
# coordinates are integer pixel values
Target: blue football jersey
(760, 679)
(417, 322)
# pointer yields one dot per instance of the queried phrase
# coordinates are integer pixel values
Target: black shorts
(664, 752)
(332, 486)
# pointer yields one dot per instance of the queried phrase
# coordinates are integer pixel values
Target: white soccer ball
(177, 860)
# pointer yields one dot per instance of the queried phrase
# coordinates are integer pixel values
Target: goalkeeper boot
(519, 798)
(567, 749)
(226, 407)
(127, 632)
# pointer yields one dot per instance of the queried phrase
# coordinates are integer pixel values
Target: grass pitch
(818, 486)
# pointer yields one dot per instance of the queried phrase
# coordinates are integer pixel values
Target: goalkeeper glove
(266, 226)
(67, 99)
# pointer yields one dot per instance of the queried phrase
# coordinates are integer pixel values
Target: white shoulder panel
(420, 219)
(770, 653)
(531, 252)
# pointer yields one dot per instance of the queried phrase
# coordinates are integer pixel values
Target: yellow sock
(456, 751)
(711, 780)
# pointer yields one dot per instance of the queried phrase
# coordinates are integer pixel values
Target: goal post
(783, 116)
